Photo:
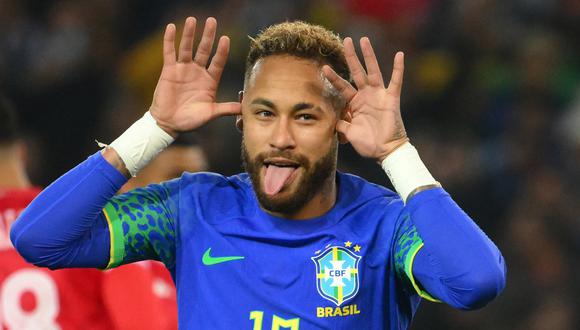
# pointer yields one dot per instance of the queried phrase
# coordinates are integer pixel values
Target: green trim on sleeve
(410, 257)
(408, 244)
(116, 233)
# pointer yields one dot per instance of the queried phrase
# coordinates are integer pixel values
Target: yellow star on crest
(357, 248)
(347, 243)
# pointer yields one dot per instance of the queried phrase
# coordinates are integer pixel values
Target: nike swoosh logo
(209, 260)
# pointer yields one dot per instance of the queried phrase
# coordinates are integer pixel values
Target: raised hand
(185, 96)
(375, 127)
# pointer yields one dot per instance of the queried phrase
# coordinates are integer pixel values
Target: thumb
(226, 109)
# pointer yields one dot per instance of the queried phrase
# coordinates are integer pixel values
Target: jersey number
(277, 322)
(44, 290)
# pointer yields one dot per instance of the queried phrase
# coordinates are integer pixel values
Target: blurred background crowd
(491, 99)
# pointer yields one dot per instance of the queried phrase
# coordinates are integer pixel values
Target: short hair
(302, 40)
(8, 123)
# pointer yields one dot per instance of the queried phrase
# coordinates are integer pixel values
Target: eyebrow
(303, 106)
(264, 102)
(296, 107)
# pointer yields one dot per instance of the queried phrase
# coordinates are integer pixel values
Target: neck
(318, 205)
(12, 174)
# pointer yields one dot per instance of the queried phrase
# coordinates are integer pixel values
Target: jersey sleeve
(443, 255)
(408, 242)
(142, 224)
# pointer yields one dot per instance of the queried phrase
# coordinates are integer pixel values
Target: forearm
(458, 264)
(63, 226)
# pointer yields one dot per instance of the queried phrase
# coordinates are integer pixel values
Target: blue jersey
(238, 267)
(363, 265)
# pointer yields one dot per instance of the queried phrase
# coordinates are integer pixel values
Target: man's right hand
(185, 96)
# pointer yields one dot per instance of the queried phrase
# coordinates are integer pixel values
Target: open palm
(185, 96)
(375, 127)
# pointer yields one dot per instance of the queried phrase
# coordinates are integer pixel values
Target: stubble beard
(314, 179)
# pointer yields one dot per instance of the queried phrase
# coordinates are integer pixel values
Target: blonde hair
(302, 40)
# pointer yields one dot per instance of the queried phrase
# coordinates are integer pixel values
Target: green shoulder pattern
(141, 226)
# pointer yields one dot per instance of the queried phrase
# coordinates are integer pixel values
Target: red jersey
(37, 298)
(127, 287)
(130, 297)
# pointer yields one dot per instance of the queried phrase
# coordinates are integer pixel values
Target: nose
(282, 137)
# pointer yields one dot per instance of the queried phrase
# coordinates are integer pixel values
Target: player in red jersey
(32, 297)
(37, 298)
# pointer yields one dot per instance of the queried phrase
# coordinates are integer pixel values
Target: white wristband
(140, 143)
(406, 170)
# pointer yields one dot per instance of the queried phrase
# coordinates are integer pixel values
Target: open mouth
(279, 173)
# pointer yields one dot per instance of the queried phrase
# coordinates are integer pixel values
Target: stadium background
(491, 99)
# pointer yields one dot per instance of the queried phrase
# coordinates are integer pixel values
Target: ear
(21, 151)
(239, 121)
(347, 116)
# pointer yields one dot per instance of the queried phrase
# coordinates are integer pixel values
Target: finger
(169, 44)
(375, 76)
(356, 69)
(396, 83)
(343, 86)
(186, 43)
(348, 115)
(226, 109)
(218, 62)
(206, 43)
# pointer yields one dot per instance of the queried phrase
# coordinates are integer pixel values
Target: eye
(305, 117)
(264, 113)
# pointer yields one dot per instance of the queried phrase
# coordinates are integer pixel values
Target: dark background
(491, 99)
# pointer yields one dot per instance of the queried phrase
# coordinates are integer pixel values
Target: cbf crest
(337, 273)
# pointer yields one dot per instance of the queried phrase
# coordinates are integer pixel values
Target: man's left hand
(375, 128)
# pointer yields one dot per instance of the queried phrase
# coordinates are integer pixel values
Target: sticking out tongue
(275, 178)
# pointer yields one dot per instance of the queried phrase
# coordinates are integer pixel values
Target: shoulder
(369, 203)
(212, 193)
(209, 181)
(371, 210)
(360, 189)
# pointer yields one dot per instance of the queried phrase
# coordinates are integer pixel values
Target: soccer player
(32, 297)
(37, 298)
(291, 243)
